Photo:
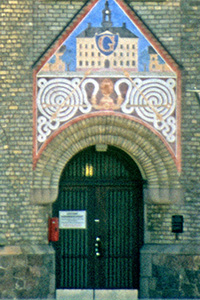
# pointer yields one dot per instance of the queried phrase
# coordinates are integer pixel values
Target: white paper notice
(72, 219)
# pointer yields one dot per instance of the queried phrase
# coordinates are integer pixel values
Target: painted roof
(122, 31)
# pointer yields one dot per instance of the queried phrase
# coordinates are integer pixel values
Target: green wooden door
(105, 254)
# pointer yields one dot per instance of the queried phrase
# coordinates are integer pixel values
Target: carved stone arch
(149, 152)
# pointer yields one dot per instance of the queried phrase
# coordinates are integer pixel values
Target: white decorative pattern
(58, 101)
(153, 100)
(61, 98)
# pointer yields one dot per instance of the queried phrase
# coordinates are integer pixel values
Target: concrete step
(79, 294)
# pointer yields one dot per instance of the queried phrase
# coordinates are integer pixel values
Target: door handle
(98, 246)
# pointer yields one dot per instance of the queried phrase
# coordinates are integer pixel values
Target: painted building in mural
(156, 64)
(107, 46)
(99, 152)
(111, 45)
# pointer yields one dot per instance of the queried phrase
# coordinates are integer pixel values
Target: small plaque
(72, 219)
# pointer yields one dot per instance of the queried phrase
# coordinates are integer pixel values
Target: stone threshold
(81, 294)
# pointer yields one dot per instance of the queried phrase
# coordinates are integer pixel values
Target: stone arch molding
(151, 155)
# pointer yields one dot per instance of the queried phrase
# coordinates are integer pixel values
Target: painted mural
(107, 63)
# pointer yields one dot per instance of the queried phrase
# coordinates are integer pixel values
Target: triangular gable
(91, 15)
(107, 40)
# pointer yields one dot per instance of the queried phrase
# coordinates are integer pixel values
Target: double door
(105, 253)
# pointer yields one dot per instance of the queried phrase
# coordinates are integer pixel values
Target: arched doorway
(100, 193)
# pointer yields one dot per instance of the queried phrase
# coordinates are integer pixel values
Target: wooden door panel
(73, 249)
(112, 215)
(118, 264)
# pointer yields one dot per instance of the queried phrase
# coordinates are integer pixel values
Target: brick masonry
(28, 28)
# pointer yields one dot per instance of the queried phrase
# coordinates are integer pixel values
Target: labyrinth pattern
(152, 100)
